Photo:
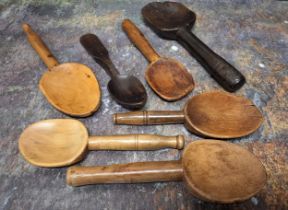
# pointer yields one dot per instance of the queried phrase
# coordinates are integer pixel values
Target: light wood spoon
(72, 88)
(167, 77)
(62, 142)
(213, 170)
(215, 114)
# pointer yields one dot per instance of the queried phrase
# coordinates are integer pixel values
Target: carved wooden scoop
(213, 170)
(167, 77)
(71, 88)
(62, 142)
(173, 21)
(215, 114)
(126, 90)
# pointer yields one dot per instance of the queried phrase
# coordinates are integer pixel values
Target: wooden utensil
(126, 90)
(215, 114)
(72, 88)
(62, 142)
(167, 77)
(213, 170)
(173, 20)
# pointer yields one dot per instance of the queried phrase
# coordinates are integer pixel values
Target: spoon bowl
(168, 17)
(127, 91)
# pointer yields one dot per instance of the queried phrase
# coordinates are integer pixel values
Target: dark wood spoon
(173, 20)
(213, 170)
(215, 114)
(126, 90)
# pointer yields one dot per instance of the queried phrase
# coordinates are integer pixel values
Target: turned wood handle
(223, 72)
(135, 142)
(139, 40)
(125, 173)
(40, 47)
(149, 117)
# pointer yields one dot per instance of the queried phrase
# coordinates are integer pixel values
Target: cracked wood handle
(138, 172)
(149, 117)
(40, 47)
(135, 142)
(139, 40)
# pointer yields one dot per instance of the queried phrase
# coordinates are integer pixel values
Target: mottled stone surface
(251, 34)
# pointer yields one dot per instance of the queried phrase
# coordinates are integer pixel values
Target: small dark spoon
(126, 90)
(173, 21)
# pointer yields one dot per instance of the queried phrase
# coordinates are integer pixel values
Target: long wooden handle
(135, 142)
(125, 173)
(139, 40)
(40, 47)
(149, 117)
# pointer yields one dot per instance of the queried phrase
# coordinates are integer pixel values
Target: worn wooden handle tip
(180, 142)
(26, 27)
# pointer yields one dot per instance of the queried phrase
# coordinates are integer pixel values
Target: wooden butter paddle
(62, 142)
(72, 88)
(167, 77)
(215, 114)
(173, 20)
(126, 90)
(212, 170)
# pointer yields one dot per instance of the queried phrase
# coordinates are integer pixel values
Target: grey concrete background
(252, 35)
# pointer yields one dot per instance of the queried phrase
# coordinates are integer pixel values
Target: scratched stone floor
(250, 34)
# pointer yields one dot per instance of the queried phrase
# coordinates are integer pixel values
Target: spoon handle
(139, 172)
(99, 53)
(149, 117)
(139, 40)
(223, 72)
(135, 142)
(40, 47)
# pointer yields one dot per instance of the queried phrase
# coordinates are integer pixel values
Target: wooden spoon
(71, 88)
(126, 90)
(213, 170)
(166, 76)
(62, 142)
(215, 114)
(173, 20)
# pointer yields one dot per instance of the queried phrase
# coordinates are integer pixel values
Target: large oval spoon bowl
(168, 17)
(72, 88)
(221, 115)
(54, 143)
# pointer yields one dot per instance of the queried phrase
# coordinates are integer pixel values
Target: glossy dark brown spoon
(173, 20)
(126, 90)
(214, 171)
(215, 114)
